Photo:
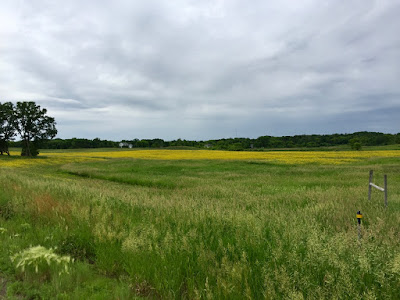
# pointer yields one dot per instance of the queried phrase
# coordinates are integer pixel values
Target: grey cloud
(196, 69)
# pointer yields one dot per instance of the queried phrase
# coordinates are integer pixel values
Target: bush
(80, 245)
(356, 146)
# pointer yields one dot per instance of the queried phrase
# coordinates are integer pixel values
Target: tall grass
(205, 229)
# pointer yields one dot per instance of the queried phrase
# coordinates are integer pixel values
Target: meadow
(182, 224)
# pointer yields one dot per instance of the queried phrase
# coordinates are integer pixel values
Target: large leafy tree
(8, 126)
(34, 126)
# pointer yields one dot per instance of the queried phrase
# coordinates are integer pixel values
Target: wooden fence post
(385, 187)
(371, 174)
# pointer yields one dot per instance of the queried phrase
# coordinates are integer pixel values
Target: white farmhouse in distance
(122, 145)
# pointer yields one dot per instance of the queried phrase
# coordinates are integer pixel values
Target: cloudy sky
(204, 69)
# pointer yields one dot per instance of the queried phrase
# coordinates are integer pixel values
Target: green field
(194, 229)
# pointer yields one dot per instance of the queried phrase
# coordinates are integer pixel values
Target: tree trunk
(4, 147)
(26, 150)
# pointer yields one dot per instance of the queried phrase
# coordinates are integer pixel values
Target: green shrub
(80, 245)
(356, 146)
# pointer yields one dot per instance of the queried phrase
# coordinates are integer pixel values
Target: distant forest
(355, 140)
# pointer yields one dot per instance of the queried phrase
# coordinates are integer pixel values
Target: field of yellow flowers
(286, 157)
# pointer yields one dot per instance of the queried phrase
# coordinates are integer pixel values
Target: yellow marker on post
(359, 217)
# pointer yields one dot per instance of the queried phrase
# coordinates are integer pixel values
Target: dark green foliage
(234, 144)
(79, 244)
(75, 143)
(31, 151)
(236, 147)
(33, 125)
(4, 147)
(29, 121)
(356, 146)
(8, 125)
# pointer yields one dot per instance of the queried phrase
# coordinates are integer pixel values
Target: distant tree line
(355, 140)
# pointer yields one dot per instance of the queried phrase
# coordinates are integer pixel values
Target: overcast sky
(204, 69)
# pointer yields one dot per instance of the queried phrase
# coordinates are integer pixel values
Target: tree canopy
(234, 144)
(8, 125)
(30, 121)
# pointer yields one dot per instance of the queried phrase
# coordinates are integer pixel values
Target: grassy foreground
(206, 228)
